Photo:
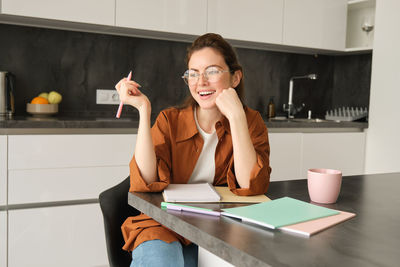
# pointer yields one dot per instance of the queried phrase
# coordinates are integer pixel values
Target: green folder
(279, 212)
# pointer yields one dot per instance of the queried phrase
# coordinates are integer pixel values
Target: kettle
(7, 86)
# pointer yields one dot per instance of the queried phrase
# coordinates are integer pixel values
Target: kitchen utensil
(41, 110)
(324, 185)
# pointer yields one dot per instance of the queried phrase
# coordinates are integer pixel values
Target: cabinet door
(46, 168)
(57, 236)
(341, 151)
(285, 157)
(88, 11)
(254, 20)
(315, 23)
(3, 238)
(3, 170)
(69, 151)
(176, 16)
(62, 184)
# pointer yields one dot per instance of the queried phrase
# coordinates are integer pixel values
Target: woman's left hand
(229, 104)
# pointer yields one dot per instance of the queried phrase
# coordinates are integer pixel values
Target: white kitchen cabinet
(254, 20)
(174, 16)
(57, 236)
(285, 157)
(88, 11)
(3, 238)
(292, 154)
(69, 150)
(47, 170)
(341, 151)
(3, 170)
(317, 24)
(66, 167)
(63, 184)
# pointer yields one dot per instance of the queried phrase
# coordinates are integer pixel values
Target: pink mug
(324, 185)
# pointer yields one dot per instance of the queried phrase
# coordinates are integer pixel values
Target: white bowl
(42, 109)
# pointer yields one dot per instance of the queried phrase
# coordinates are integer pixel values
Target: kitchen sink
(299, 120)
(309, 120)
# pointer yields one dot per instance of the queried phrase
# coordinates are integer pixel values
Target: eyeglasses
(211, 74)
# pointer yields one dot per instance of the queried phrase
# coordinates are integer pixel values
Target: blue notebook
(279, 212)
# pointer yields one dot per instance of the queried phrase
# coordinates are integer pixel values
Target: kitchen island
(369, 239)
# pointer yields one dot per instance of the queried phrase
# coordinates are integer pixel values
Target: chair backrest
(115, 208)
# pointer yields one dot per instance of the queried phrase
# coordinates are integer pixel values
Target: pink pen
(122, 104)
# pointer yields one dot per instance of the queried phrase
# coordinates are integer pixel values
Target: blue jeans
(157, 253)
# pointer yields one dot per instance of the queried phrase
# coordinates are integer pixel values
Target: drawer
(3, 170)
(57, 236)
(46, 185)
(68, 151)
(3, 238)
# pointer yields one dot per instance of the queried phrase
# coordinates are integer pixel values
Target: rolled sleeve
(138, 184)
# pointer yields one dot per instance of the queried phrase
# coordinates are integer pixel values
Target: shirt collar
(187, 125)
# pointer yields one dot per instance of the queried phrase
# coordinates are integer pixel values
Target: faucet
(291, 110)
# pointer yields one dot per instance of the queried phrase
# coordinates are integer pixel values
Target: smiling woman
(211, 138)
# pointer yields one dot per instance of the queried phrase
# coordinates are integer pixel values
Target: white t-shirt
(204, 171)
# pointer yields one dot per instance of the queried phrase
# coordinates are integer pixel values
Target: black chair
(115, 208)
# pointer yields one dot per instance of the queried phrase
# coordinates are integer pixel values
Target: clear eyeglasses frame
(212, 74)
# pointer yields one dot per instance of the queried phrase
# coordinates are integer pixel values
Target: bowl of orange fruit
(45, 104)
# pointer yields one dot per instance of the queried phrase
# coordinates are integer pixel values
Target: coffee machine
(7, 87)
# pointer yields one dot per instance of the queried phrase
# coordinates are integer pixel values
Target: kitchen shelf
(359, 50)
(358, 4)
(360, 12)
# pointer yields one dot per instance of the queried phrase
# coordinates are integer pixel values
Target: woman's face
(205, 91)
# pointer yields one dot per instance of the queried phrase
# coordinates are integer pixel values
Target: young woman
(211, 138)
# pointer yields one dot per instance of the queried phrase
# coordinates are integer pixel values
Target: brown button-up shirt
(178, 144)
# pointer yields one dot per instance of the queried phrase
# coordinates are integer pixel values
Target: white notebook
(204, 192)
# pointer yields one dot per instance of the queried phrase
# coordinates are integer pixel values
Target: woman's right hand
(130, 94)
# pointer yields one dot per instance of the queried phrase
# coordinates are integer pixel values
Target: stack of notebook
(289, 214)
(286, 214)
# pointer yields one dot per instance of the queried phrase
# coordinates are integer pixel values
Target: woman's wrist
(238, 116)
(145, 109)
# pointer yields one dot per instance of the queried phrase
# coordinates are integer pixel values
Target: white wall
(383, 136)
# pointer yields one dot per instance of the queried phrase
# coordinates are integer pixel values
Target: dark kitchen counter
(67, 124)
(95, 124)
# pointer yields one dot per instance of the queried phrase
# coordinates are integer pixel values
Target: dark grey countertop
(88, 122)
(68, 122)
(369, 239)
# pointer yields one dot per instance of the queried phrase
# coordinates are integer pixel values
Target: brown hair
(218, 43)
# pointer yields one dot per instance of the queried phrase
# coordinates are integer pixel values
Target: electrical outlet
(107, 97)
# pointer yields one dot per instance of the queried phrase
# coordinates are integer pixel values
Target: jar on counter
(271, 108)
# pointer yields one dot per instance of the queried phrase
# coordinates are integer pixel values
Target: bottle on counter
(271, 108)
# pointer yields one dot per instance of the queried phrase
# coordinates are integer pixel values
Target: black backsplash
(76, 64)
